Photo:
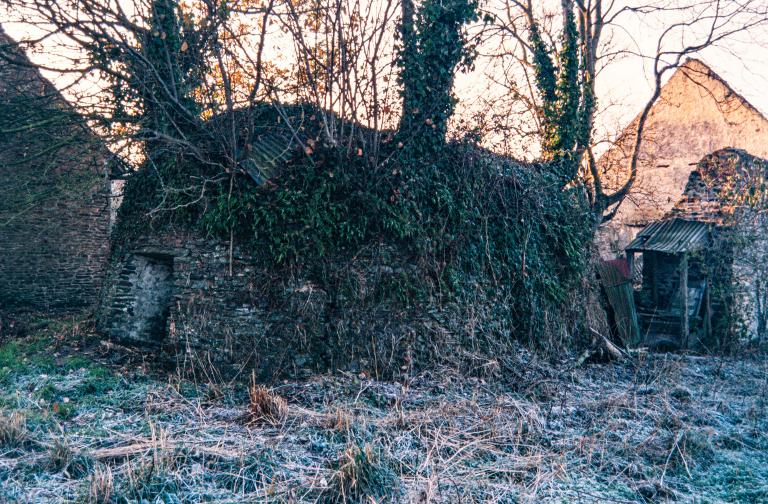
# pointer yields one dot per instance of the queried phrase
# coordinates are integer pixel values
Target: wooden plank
(708, 313)
(654, 276)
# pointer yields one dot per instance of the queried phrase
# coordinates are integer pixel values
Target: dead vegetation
(100, 486)
(13, 430)
(649, 428)
(362, 474)
(265, 405)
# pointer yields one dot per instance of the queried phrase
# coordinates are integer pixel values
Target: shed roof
(672, 236)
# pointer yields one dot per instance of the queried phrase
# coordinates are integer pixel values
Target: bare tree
(559, 56)
(188, 62)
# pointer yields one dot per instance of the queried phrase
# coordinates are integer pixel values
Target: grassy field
(86, 421)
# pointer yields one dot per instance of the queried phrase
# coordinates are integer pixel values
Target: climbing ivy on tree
(567, 95)
(433, 44)
(158, 100)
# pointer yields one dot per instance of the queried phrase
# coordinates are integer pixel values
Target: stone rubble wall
(54, 198)
(213, 318)
(273, 322)
(696, 114)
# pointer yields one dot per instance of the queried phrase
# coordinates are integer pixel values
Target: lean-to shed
(702, 263)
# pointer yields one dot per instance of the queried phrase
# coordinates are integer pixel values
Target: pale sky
(627, 84)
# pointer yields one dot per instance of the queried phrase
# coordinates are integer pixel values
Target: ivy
(566, 93)
(461, 223)
(433, 45)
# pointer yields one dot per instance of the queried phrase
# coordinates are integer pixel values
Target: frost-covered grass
(83, 421)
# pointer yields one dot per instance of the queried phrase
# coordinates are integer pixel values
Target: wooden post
(708, 315)
(684, 329)
(655, 277)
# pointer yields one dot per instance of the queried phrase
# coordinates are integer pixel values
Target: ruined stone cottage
(54, 195)
(697, 113)
(215, 297)
(703, 268)
(200, 299)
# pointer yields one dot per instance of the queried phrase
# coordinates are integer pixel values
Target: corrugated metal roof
(671, 236)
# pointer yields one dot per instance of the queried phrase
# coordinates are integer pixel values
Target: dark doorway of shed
(152, 296)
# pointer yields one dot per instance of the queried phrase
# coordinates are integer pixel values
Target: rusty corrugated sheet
(614, 275)
(614, 272)
(671, 236)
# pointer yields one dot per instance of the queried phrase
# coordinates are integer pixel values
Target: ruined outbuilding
(703, 271)
(697, 113)
(353, 293)
(54, 195)
(197, 297)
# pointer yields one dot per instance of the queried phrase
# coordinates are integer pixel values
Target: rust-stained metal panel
(614, 275)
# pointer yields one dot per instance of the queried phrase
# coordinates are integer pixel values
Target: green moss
(76, 362)
(97, 382)
(11, 357)
(48, 392)
(32, 353)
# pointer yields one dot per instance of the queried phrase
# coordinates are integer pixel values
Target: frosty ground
(87, 421)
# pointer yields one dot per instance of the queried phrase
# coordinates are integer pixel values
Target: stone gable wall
(54, 198)
(696, 114)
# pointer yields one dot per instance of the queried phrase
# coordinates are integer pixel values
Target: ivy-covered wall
(338, 264)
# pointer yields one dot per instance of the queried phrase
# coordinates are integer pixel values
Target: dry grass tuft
(362, 475)
(13, 430)
(101, 486)
(60, 455)
(339, 420)
(154, 475)
(265, 405)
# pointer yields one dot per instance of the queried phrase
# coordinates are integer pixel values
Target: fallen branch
(144, 447)
(602, 347)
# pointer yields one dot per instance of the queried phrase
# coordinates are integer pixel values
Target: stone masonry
(173, 291)
(696, 114)
(54, 196)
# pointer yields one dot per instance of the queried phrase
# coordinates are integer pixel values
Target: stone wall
(696, 114)
(274, 322)
(54, 197)
(750, 274)
(209, 316)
